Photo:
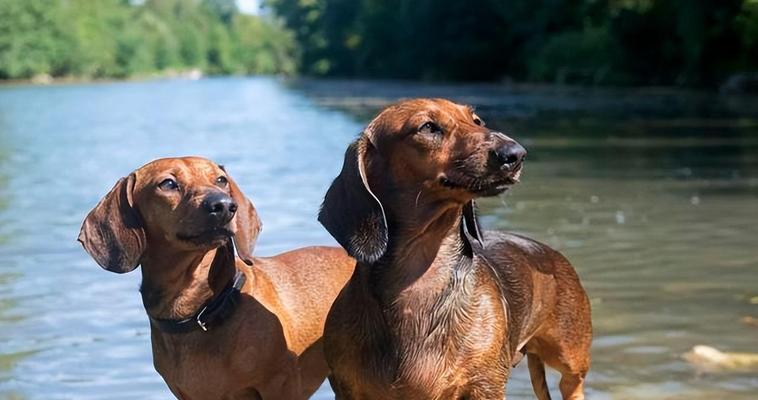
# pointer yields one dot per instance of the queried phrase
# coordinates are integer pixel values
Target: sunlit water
(653, 198)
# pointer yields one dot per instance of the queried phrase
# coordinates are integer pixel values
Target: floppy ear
(112, 233)
(247, 225)
(351, 212)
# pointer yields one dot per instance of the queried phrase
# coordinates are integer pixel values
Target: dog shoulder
(499, 241)
(510, 250)
(318, 256)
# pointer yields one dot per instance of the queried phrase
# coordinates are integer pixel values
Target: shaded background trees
(681, 42)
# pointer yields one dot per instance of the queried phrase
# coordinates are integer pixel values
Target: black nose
(220, 206)
(509, 155)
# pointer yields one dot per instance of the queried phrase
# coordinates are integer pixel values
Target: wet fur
(271, 347)
(444, 311)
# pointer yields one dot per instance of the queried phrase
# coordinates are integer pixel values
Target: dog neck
(424, 248)
(421, 286)
(176, 284)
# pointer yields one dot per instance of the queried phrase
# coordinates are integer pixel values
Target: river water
(652, 195)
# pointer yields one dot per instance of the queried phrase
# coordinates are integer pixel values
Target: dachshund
(436, 309)
(222, 327)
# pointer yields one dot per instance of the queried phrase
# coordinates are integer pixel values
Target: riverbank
(524, 100)
(506, 100)
(45, 79)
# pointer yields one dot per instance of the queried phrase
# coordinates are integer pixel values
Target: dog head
(187, 204)
(430, 146)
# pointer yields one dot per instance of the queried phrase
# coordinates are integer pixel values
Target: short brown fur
(271, 346)
(435, 309)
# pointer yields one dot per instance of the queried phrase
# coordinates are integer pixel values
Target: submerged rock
(709, 359)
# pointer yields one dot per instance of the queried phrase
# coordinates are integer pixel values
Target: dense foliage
(681, 42)
(120, 38)
(684, 42)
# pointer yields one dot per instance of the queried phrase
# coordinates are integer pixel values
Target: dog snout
(507, 153)
(220, 207)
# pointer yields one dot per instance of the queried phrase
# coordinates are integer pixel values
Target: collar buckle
(200, 322)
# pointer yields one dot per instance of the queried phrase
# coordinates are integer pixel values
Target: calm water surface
(653, 196)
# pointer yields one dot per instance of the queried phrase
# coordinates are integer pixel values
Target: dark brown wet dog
(436, 309)
(175, 218)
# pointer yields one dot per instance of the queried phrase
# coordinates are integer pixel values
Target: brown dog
(435, 309)
(220, 329)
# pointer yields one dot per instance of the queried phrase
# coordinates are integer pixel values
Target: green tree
(30, 39)
(264, 47)
(225, 10)
(121, 38)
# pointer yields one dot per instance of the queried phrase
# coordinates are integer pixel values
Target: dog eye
(221, 181)
(478, 121)
(168, 184)
(430, 127)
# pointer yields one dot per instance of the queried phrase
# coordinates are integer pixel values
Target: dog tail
(537, 374)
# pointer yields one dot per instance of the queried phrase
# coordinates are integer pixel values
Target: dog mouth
(482, 186)
(207, 236)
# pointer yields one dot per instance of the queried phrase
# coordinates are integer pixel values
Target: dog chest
(432, 350)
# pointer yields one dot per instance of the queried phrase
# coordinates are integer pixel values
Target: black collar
(212, 314)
